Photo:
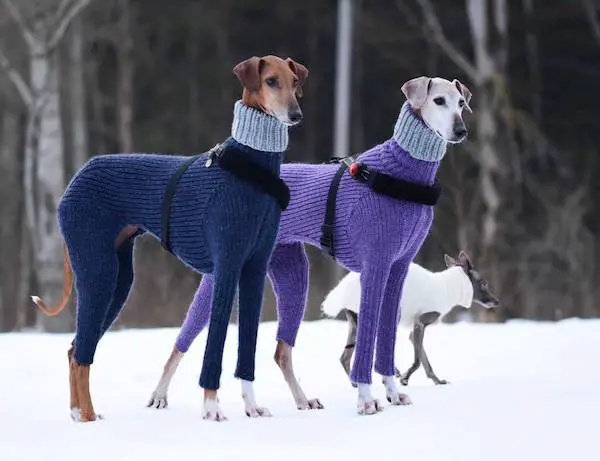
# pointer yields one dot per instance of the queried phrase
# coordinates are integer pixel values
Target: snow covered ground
(521, 391)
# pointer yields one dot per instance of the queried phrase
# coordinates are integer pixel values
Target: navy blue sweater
(218, 224)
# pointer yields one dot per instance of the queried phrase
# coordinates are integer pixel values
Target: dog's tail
(346, 295)
(67, 289)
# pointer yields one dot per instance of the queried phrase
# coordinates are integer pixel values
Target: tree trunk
(125, 49)
(77, 99)
(10, 218)
(488, 23)
(50, 182)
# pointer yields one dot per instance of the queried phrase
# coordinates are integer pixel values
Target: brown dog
(99, 233)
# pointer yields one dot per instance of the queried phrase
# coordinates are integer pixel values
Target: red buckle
(354, 168)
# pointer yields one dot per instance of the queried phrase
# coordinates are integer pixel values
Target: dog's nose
(295, 116)
(459, 131)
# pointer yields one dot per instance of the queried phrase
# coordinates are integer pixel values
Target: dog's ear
(248, 72)
(301, 72)
(416, 90)
(450, 261)
(466, 93)
(463, 260)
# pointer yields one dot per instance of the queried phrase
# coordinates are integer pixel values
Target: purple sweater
(376, 235)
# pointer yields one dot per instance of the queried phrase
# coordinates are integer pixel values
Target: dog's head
(440, 103)
(273, 85)
(481, 290)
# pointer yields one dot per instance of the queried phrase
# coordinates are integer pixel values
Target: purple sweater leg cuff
(198, 315)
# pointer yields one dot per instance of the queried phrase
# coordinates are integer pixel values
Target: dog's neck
(459, 289)
(415, 137)
(258, 130)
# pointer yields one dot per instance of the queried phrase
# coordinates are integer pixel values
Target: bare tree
(42, 26)
(488, 21)
(11, 200)
(77, 92)
(125, 80)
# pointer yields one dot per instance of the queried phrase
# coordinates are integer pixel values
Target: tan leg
(159, 399)
(74, 395)
(283, 358)
(82, 374)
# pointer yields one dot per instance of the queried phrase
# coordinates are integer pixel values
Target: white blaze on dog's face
(273, 85)
(440, 103)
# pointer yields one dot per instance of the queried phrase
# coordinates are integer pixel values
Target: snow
(522, 391)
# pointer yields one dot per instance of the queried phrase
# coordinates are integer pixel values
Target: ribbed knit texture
(375, 235)
(218, 224)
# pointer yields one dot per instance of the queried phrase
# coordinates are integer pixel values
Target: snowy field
(521, 391)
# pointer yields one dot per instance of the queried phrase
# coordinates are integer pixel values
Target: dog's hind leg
(415, 337)
(346, 357)
(96, 274)
(288, 272)
(125, 278)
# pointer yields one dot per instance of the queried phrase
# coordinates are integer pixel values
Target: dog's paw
(211, 411)
(404, 380)
(157, 401)
(368, 407)
(398, 398)
(438, 381)
(78, 417)
(313, 404)
(258, 412)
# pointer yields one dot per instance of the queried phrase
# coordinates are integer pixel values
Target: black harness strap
(265, 180)
(329, 223)
(236, 164)
(168, 198)
(379, 183)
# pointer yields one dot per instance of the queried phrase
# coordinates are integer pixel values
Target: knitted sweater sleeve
(374, 244)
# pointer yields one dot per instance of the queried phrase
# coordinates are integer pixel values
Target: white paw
(392, 394)
(158, 401)
(251, 407)
(257, 412)
(367, 405)
(76, 416)
(312, 404)
(211, 411)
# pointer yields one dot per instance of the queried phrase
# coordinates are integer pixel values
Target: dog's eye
(271, 81)
(295, 83)
(439, 101)
(461, 103)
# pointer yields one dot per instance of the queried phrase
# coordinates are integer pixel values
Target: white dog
(426, 297)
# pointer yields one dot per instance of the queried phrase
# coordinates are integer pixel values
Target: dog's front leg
(373, 279)
(225, 282)
(386, 332)
(288, 272)
(252, 282)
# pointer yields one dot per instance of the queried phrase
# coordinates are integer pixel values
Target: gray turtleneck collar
(258, 130)
(415, 137)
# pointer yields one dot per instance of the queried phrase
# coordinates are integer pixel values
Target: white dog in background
(426, 297)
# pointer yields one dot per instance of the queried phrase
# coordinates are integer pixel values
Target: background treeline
(80, 77)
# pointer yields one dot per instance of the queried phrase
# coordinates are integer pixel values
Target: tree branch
(29, 37)
(444, 43)
(590, 9)
(65, 19)
(17, 79)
